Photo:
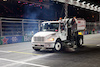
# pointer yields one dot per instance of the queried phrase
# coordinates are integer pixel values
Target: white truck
(57, 35)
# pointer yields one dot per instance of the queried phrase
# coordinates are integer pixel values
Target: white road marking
(23, 49)
(25, 61)
(38, 57)
(4, 51)
(21, 62)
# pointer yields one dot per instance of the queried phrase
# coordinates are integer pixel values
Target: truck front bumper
(43, 45)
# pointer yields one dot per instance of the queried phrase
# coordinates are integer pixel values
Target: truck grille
(38, 38)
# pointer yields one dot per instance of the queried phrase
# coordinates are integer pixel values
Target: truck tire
(58, 46)
(80, 41)
(36, 49)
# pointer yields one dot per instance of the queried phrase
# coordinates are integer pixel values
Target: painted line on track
(18, 52)
(4, 51)
(24, 53)
(38, 57)
(20, 62)
(26, 60)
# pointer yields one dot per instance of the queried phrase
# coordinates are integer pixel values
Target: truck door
(63, 31)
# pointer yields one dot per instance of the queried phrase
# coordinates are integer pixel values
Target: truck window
(62, 26)
(50, 27)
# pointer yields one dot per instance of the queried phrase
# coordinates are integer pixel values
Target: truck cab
(53, 35)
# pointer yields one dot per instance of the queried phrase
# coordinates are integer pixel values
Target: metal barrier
(14, 30)
(14, 26)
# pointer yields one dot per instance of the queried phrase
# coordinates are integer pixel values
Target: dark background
(19, 9)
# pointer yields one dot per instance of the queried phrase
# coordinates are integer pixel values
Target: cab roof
(51, 22)
(62, 21)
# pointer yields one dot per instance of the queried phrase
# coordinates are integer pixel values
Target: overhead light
(83, 2)
(96, 6)
(4, 0)
(92, 5)
(78, 0)
(71, 2)
(88, 4)
(99, 8)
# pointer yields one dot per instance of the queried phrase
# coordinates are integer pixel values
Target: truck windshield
(50, 27)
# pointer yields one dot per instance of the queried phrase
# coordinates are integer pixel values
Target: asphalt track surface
(22, 55)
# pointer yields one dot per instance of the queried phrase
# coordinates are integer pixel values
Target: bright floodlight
(92, 5)
(83, 2)
(71, 0)
(88, 4)
(4, 0)
(96, 6)
(98, 9)
(78, 0)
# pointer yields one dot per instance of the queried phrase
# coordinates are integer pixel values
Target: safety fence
(14, 30)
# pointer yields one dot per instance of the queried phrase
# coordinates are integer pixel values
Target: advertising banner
(14, 39)
(11, 39)
(27, 38)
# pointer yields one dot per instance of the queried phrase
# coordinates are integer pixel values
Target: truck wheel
(37, 49)
(58, 46)
(80, 42)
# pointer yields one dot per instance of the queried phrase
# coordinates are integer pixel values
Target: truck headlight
(51, 39)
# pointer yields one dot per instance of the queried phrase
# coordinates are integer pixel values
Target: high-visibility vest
(80, 33)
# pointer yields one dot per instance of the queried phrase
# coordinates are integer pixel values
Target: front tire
(36, 49)
(58, 46)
